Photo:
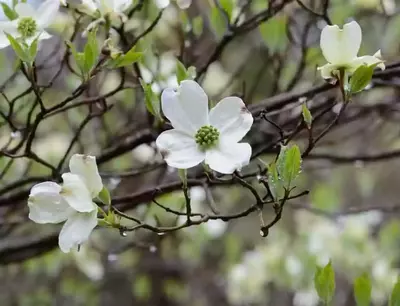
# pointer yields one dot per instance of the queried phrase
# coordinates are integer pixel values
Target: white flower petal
(340, 46)
(184, 4)
(85, 166)
(25, 10)
(75, 192)
(327, 70)
(77, 230)
(121, 5)
(228, 157)
(231, 117)
(179, 150)
(47, 12)
(89, 5)
(367, 60)
(186, 108)
(161, 4)
(46, 204)
(9, 27)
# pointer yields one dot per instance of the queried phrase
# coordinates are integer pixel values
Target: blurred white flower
(107, 9)
(199, 135)
(340, 48)
(107, 6)
(215, 228)
(72, 202)
(293, 265)
(31, 22)
(182, 4)
(305, 298)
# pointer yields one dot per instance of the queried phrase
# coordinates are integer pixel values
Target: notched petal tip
(244, 110)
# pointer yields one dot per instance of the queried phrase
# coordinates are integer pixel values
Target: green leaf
(273, 33)
(8, 11)
(361, 78)
(306, 115)
(91, 51)
(128, 58)
(227, 6)
(395, 296)
(19, 49)
(104, 196)
(289, 165)
(33, 48)
(181, 73)
(274, 183)
(151, 100)
(324, 282)
(218, 22)
(362, 290)
(197, 25)
(79, 57)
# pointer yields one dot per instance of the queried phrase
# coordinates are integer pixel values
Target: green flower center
(27, 27)
(207, 137)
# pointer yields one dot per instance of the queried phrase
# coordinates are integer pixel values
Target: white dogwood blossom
(71, 201)
(105, 10)
(31, 22)
(340, 48)
(182, 4)
(107, 6)
(201, 135)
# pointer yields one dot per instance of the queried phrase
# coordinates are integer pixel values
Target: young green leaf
(361, 78)
(79, 57)
(19, 49)
(8, 11)
(104, 196)
(151, 100)
(217, 21)
(126, 59)
(289, 164)
(181, 72)
(395, 296)
(227, 6)
(362, 290)
(274, 182)
(324, 283)
(307, 117)
(33, 48)
(197, 25)
(91, 51)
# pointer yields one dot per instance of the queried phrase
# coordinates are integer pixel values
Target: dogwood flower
(182, 4)
(30, 23)
(107, 7)
(340, 48)
(199, 135)
(50, 202)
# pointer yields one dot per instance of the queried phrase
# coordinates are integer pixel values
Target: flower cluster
(72, 201)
